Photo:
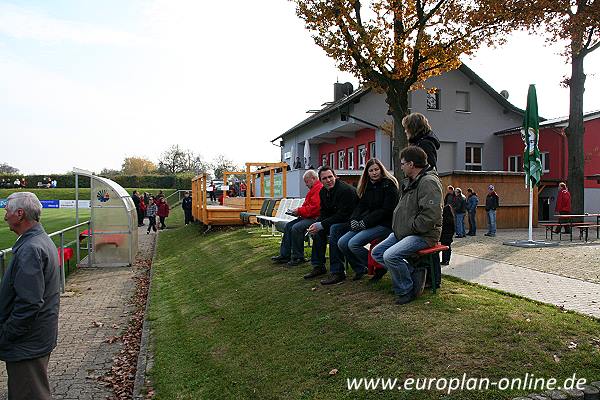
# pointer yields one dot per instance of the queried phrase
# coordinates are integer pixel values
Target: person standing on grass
(186, 204)
(151, 211)
(416, 224)
(29, 301)
(563, 205)
(338, 200)
(163, 211)
(291, 249)
(472, 201)
(460, 208)
(371, 219)
(492, 202)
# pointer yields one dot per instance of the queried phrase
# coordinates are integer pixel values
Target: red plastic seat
(68, 254)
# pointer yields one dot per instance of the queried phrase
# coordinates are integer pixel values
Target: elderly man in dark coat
(29, 301)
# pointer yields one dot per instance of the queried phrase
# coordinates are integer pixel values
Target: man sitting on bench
(291, 250)
(417, 224)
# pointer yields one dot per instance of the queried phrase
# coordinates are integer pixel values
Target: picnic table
(572, 221)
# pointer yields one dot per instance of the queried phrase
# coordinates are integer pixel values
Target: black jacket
(447, 226)
(337, 204)
(459, 205)
(492, 201)
(430, 145)
(186, 203)
(136, 202)
(29, 298)
(376, 206)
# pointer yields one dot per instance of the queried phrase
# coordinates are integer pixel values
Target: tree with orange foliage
(578, 23)
(395, 45)
(137, 166)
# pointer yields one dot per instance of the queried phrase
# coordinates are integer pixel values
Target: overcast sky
(87, 83)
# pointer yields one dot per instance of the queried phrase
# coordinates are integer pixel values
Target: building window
(324, 160)
(545, 162)
(362, 156)
(515, 164)
(463, 101)
(331, 160)
(473, 157)
(372, 150)
(351, 158)
(341, 157)
(433, 100)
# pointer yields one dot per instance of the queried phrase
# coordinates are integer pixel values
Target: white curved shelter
(113, 222)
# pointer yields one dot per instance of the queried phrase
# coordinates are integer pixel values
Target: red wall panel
(363, 136)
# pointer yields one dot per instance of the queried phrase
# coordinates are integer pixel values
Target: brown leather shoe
(333, 279)
(316, 271)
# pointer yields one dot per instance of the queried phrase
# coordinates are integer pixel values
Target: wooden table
(569, 220)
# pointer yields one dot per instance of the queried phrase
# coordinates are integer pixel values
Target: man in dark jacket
(29, 301)
(417, 224)
(186, 204)
(338, 200)
(472, 201)
(492, 202)
(136, 201)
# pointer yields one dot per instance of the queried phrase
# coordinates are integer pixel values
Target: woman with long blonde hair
(372, 217)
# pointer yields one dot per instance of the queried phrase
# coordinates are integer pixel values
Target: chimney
(340, 90)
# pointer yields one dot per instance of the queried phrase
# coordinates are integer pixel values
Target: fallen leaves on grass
(121, 376)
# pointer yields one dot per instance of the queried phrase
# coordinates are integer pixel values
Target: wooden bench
(550, 227)
(585, 229)
(426, 259)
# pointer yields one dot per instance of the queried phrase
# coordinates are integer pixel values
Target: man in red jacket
(291, 250)
(563, 204)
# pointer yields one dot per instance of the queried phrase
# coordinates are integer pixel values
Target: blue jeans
(392, 254)
(319, 248)
(460, 224)
(491, 214)
(292, 243)
(352, 245)
(472, 223)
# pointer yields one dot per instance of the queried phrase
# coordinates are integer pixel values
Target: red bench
(426, 260)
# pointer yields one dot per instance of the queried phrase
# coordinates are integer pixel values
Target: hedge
(146, 181)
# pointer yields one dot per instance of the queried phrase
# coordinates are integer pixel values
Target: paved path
(572, 294)
(96, 308)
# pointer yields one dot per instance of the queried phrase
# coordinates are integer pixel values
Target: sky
(87, 83)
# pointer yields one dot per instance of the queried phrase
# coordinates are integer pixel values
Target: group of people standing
(461, 206)
(149, 206)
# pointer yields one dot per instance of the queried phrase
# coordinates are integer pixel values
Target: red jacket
(163, 209)
(312, 203)
(563, 202)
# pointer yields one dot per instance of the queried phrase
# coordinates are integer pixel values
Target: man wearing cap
(492, 202)
(29, 301)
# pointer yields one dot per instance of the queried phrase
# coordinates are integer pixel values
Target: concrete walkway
(94, 308)
(572, 294)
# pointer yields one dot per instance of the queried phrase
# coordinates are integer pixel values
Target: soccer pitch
(53, 219)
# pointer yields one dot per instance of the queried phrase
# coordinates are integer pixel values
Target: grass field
(226, 324)
(52, 219)
(69, 193)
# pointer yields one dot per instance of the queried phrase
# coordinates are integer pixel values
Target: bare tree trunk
(574, 133)
(398, 102)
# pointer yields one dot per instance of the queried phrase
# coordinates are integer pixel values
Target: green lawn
(52, 219)
(69, 193)
(227, 324)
